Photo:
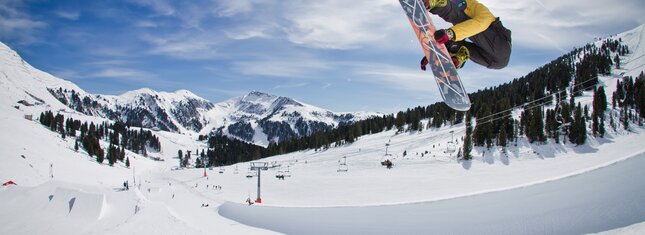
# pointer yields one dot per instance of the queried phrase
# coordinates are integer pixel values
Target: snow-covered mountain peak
(256, 117)
(257, 102)
(258, 96)
(187, 94)
(138, 92)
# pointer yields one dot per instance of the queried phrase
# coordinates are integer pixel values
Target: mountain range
(256, 117)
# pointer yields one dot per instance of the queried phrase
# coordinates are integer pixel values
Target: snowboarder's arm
(481, 18)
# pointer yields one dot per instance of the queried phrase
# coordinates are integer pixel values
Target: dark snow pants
(490, 48)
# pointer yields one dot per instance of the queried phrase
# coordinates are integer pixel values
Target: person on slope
(490, 42)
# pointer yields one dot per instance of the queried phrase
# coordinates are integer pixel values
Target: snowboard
(444, 71)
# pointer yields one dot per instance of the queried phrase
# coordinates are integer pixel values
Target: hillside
(335, 176)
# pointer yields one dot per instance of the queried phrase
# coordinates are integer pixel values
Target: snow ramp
(77, 204)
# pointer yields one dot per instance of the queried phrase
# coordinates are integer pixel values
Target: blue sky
(345, 56)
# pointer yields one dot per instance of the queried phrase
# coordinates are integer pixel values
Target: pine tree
(617, 61)
(468, 142)
(122, 154)
(502, 139)
(595, 126)
(601, 130)
(625, 118)
(181, 158)
(198, 163)
(535, 129)
(578, 129)
(111, 155)
(100, 157)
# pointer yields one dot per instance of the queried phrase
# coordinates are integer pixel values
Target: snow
(596, 203)
(529, 188)
(635, 63)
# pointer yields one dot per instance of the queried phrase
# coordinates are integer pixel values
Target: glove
(424, 62)
(444, 35)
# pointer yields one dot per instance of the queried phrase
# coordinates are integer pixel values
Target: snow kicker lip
(77, 204)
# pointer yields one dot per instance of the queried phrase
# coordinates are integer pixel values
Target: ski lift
(558, 115)
(279, 175)
(451, 146)
(387, 145)
(342, 166)
(251, 173)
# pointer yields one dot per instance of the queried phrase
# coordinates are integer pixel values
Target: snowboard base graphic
(444, 71)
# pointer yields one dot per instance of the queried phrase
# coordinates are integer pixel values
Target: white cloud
(248, 32)
(401, 78)
(109, 62)
(227, 8)
(122, 73)
(146, 24)
(301, 67)
(67, 74)
(69, 15)
(561, 25)
(184, 45)
(339, 24)
(15, 25)
(291, 85)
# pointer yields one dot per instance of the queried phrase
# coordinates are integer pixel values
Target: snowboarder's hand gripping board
(445, 74)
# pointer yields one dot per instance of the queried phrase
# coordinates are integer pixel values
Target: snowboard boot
(459, 54)
(435, 3)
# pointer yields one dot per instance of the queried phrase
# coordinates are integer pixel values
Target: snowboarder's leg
(450, 13)
(459, 53)
(491, 48)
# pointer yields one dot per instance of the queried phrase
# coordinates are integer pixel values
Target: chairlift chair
(558, 116)
(342, 166)
(250, 173)
(451, 147)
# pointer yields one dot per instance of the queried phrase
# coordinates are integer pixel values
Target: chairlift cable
(492, 117)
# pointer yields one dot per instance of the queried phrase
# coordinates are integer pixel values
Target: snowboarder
(249, 201)
(490, 42)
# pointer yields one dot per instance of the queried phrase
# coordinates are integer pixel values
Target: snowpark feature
(595, 187)
(76, 204)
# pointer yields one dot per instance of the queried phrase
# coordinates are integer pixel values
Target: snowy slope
(634, 63)
(424, 181)
(20, 81)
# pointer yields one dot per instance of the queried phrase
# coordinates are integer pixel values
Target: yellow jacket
(480, 19)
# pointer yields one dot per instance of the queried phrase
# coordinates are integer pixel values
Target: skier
(490, 42)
